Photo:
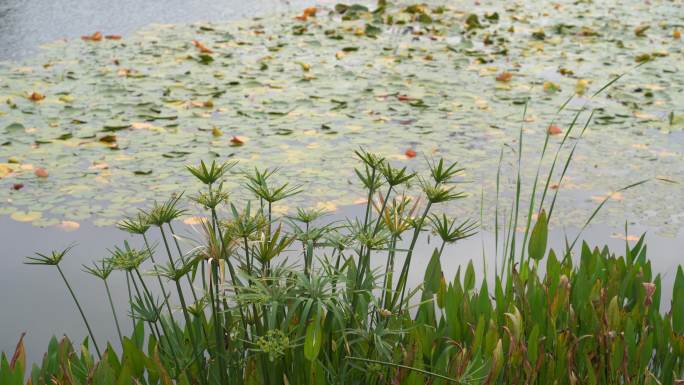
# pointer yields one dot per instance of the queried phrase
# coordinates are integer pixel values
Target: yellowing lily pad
(26, 216)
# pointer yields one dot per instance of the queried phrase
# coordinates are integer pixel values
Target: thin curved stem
(80, 310)
(161, 284)
(168, 251)
(111, 305)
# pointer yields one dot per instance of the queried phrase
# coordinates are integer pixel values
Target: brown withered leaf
(19, 355)
(237, 141)
(36, 96)
(201, 47)
(554, 129)
(97, 36)
(308, 12)
(504, 77)
(108, 139)
(41, 172)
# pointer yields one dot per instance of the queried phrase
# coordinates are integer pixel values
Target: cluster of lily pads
(109, 118)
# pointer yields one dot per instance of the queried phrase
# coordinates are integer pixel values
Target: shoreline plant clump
(273, 300)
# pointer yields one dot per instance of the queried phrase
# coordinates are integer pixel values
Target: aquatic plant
(263, 318)
(266, 311)
(69, 100)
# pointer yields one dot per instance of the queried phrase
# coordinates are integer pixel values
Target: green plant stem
(158, 316)
(168, 252)
(363, 267)
(193, 339)
(389, 272)
(218, 329)
(518, 186)
(406, 367)
(337, 268)
(401, 283)
(382, 210)
(369, 199)
(155, 331)
(182, 257)
(247, 261)
(80, 310)
(161, 284)
(111, 305)
(226, 257)
(130, 298)
(441, 248)
(175, 240)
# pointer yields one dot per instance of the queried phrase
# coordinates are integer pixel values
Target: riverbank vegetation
(263, 299)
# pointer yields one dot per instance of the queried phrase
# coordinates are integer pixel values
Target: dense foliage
(269, 300)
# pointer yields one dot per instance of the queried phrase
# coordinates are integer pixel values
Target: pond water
(121, 117)
(27, 24)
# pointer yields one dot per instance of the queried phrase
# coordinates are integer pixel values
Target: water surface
(311, 129)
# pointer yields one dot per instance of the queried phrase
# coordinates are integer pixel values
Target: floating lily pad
(306, 93)
(25, 216)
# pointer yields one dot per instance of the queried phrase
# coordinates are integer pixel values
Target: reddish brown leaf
(113, 37)
(41, 172)
(36, 96)
(97, 36)
(19, 353)
(237, 141)
(504, 77)
(403, 98)
(17, 186)
(554, 129)
(410, 153)
(201, 47)
(308, 12)
(650, 289)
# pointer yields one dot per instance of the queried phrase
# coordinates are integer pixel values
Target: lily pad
(308, 93)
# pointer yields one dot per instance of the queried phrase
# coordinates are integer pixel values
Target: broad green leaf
(313, 340)
(537, 246)
(678, 303)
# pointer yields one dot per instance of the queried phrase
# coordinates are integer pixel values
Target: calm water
(26, 24)
(34, 299)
